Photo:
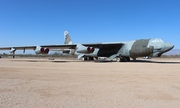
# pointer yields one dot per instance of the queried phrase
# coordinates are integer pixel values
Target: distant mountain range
(173, 52)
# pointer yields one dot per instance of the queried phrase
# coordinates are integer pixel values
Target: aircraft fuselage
(138, 48)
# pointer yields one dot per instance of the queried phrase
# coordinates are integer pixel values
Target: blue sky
(42, 22)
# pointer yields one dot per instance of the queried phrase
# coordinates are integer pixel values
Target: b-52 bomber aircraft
(122, 51)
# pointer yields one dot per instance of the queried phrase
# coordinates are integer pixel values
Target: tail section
(67, 39)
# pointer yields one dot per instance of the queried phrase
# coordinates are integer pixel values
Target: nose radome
(169, 45)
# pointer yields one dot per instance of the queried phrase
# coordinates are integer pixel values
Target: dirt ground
(42, 83)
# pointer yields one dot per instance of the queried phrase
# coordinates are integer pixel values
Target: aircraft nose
(169, 46)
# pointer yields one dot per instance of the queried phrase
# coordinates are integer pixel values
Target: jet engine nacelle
(40, 50)
(12, 50)
(141, 51)
(84, 49)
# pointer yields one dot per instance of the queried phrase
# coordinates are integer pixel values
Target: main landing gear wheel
(87, 58)
(84, 58)
(91, 58)
(123, 59)
(118, 59)
(128, 59)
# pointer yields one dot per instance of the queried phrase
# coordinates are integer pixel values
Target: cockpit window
(157, 40)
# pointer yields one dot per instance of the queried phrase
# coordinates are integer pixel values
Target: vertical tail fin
(67, 39)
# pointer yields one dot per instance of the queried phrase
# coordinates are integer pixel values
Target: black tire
(128, 59)
(118, 59)
(84, 58)
(92, 58)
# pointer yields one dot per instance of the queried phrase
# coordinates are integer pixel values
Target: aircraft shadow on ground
(103, 61)
(64, 61)
(160, 62)
(135, 61)
(99, 61)
(53, 61)
(28, 61)
(95, 61)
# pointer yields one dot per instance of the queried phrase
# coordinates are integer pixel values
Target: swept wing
(43, 46)
(71, 46)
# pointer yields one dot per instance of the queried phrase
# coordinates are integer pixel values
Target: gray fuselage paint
(139, 48)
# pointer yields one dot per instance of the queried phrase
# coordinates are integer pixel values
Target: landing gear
(85, 58)
(128, 59)
(134, 58)
(118, 59)
(91, 58)
(122, 59)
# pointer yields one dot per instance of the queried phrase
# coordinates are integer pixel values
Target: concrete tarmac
(42, 83)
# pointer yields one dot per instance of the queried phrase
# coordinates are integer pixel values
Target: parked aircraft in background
(122, 51)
